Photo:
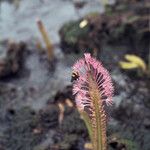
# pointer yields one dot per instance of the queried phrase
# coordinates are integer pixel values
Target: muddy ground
(33, 90)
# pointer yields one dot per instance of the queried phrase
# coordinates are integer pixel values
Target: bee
(75, 76)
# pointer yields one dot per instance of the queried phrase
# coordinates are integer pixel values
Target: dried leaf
(127, 65)
(69, 102)
(61, 115)
(46, 39)
(137, 60)
(133, 62)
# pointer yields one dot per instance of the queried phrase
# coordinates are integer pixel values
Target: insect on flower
(75, 76)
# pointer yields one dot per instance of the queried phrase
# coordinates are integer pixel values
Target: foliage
(72, 31)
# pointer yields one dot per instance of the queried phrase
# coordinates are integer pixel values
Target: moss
(71, 32)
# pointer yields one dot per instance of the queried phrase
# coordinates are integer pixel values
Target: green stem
(99, 126)
(99, 131)
(88, 123)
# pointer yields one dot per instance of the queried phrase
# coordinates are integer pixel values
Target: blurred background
(39, 42)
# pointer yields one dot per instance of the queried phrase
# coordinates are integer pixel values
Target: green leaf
(88, 123)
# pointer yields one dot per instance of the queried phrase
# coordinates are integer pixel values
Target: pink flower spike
(93, 92)
(91, 70)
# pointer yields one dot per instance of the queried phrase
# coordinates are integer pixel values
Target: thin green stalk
(98, 122)
(88, 123)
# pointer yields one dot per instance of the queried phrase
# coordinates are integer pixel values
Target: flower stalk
(93, 90)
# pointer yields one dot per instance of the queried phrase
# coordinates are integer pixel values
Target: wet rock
(12, 59)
